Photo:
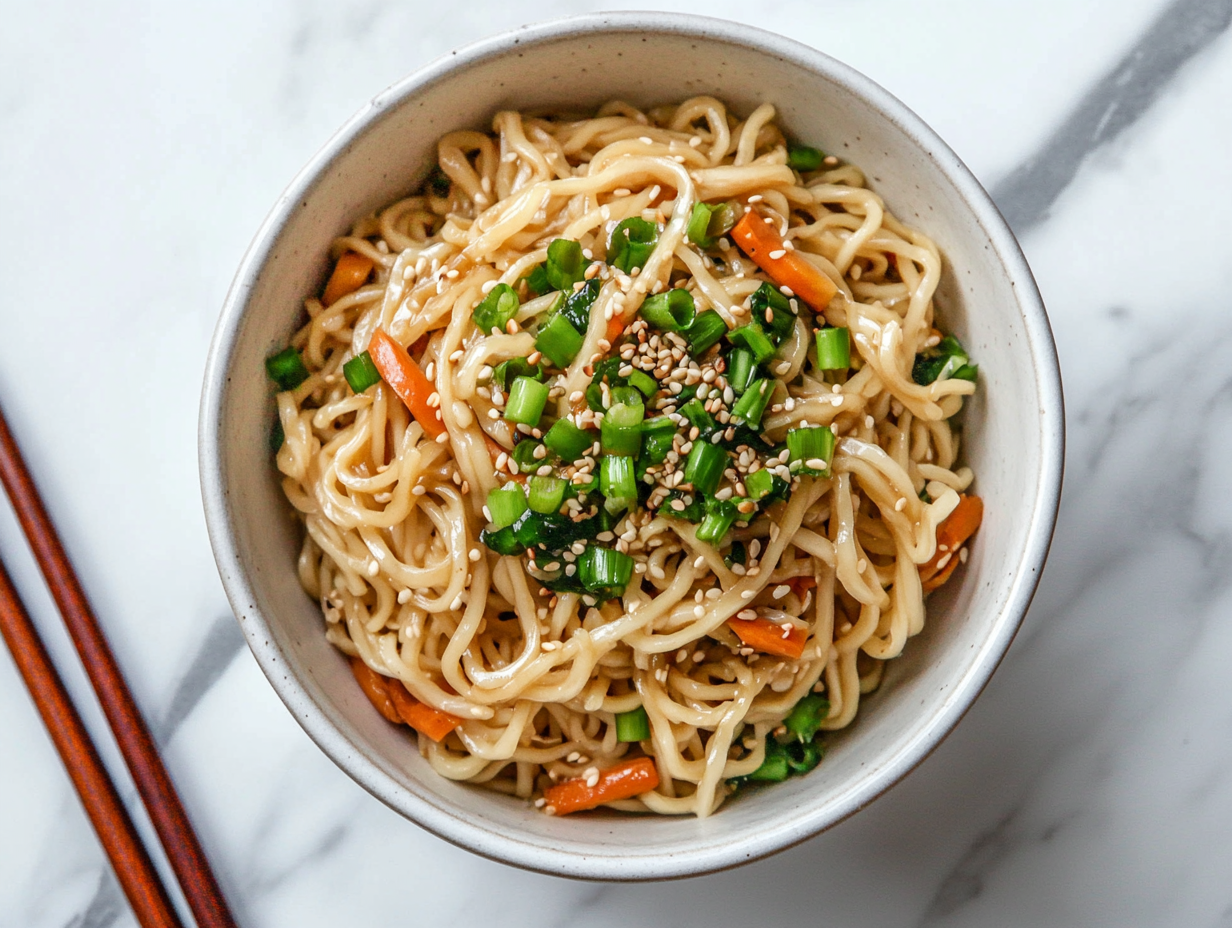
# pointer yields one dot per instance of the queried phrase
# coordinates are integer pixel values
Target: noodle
(532, 671)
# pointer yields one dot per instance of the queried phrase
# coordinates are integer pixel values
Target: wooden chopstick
(128, 856)
(175, 832)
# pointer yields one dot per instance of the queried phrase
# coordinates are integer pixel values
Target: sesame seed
(781, 591)
(404, 597)
(962, 555)
(861, 566)
(901, 504)
(699, 611)
(778, 253)
(419, 490)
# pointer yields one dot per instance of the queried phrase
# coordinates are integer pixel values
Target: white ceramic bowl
(1014, 427)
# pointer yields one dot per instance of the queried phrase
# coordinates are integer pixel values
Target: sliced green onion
(604, 570)
(704, 467)
(657, 436)
(361, 373)
(286, 368)
(753, 337)
(940, 362)
(537, 280)
(633, 240)
(502, 541)
(577, 305)
(617, 482)
(803, 756)
(670, 311)
(723, 217)
(753, 402)
(644, 383)
(741, 365)
(629, 396)
(508, 371)
(523, 454)
(690, 506)
(277, 436)
(705, 331)
(698, 229)
(720, 514)
(762, 483)
(782, 317)
(527, 397)
(558, 340)
(833, 349)
(966, 372)
(567, 440)
(496, 309)
(547, 494)
(438, 181)
(696, 413)
(808, 448)
(506, 505)
(804, 158)
(736, 554)
(774, 768)
(805, 718)
(633, 725)
(621, 429)
(566, 264)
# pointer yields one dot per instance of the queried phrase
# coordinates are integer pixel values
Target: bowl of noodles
(630, 445)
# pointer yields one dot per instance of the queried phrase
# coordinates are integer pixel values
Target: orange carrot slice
(423, 718)
(761, 242)
(769, 637)
(350, 273)
(407, 380)
(624, 781)
(958, 526)
(376, 688)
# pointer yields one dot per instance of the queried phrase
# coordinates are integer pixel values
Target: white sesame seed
(861, 566)
(962, 555)
(777, 253)
(699, 611)
(404, 597)
(901, 504)
(781, 591)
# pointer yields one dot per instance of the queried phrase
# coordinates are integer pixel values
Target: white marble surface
(140, 146)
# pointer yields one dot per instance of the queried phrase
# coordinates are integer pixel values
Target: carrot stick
(615, 328)
(407, 380)
(376, 688)
(801, 585)
(424, 719)
(761, 242)
(769, 637)
(958, 526)
(624, 781)
(350, 273)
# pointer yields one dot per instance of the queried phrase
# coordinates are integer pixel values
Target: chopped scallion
(567, 440)
(804, 158)
(506, 504)
(558, 340)
(762, 483)
(813, 444)
(698, 229)
(705, 331)
(577, 305)
(508, 371)
(670, 311)
(633, 241)
(657, 436)
(604, 570)
(617, 482)
(753, 402)
(496, 309)
(537, 280)
(753, 337)
(523, 454)
(833, 349)
(696, 413)
(704, 467)
(645, 384)
(286, 368)
(805, 718)
(361, 373)
(720, 514)
(566, 264)
(633, 726)
(741, 366)
(621, 429)
(527, 397)
(547, 494)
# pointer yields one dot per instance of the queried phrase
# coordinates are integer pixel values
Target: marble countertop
(1090, 784)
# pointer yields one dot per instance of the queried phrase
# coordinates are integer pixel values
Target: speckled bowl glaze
(1014, 426)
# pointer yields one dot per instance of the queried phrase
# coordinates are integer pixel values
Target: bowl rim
(467, 831)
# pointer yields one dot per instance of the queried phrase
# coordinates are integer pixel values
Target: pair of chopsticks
(129, 858)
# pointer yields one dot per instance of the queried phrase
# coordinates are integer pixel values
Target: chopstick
(175, 832)
(114, 828)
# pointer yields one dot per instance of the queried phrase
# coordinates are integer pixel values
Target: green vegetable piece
(753, 337)
(782, 319)
(547, 494)
(617, 482)
(691, 508)
(506, 504)
(670, 311)
(496, 309)
(537, 281)
(753, 402)
(805, 718)
(804, 158)
(657, 435)
(502, 541)
(527, 397)
(633, 726)
(720, 514)
(940, 362)
(286, 368)
(438, 182)
(774, 769)
(632, 243)
(508, 371)
(833, 349)
(762, 484)
(558, 340)
(698, 229)
(566, 264)
(813, 444)
(361, 373)
(523, 454)
(644, 383)
(803, 756)
(704, 466)
(277, 436)
(741, 366)
(705, 332)
(576, 307)
(621, 431)
(604, 571)
(567, 440)
(736, 554)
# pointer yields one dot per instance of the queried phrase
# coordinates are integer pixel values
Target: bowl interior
(1011, 439)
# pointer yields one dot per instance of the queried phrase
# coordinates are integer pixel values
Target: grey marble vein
(1114, 104)
(105, 907)
(222, 642)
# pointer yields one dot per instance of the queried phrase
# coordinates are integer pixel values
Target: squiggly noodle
(393, 518)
